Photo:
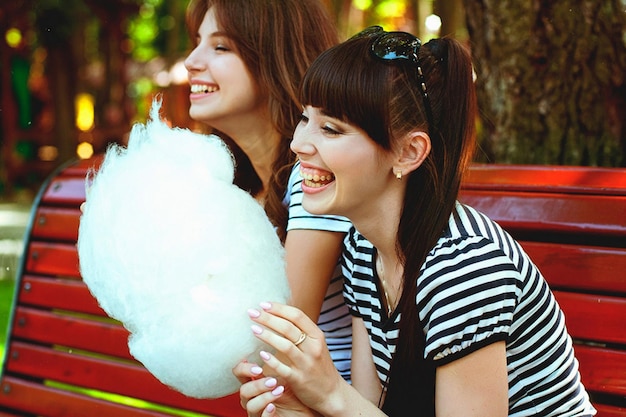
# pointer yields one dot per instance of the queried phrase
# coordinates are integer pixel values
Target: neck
(260, 141)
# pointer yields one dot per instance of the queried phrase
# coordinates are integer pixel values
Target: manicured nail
(265, 305)
(254, 313)
(264, 355)
(256, 370)
(270, 408)
(278, 390)
(271, 382)
(256, 329)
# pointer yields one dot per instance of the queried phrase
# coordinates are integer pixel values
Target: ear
(415, 148)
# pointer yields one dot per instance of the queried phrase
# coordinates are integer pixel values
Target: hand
(262, 396)
(305, 363)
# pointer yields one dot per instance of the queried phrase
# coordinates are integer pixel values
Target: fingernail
(278, 390)
(270, 408)
(271, 382)
(256, 329)
(264, 355)
(256, 370)
(254, 313)
(265, 305)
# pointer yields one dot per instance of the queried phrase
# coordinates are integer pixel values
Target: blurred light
(48, 153)
(84, 111)
(362, 4)
(433, 23)
(84, 150)
(13, 37)
(162, 78)
(178, 73)
(391, 8)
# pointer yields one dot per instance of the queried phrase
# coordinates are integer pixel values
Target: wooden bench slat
(609, 411)
(73, 332)
(58, 259)
(110, 376)
(538, 178)
(60, 224)
(602, 369)
(583, 313)
(40, 400)
(64, 294)
(583, 268)
(551, 213)
(64, 191)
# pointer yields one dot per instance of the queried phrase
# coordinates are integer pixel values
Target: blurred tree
(551, 80)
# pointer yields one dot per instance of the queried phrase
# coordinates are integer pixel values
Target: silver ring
(300, 339)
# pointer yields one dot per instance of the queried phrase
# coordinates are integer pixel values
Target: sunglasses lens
(398, 45)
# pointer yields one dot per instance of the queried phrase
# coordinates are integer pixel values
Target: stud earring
(399, 175)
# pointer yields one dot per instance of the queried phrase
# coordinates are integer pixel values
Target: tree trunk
(550, 83)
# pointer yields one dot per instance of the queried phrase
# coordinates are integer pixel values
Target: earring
(399, 175)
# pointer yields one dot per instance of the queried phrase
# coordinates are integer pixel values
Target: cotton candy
(169, 246)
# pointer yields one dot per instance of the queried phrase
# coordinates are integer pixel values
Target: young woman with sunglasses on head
(245, 69)
(450, 316)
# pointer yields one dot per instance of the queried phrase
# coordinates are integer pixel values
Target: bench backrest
(572, 223)
(64, 356)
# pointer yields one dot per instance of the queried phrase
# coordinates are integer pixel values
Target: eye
(304, 119)
(220, 47)
(330, 130)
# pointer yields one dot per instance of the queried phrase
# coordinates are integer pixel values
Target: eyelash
(325, 128)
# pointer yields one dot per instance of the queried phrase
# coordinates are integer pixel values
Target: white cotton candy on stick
(174, 250)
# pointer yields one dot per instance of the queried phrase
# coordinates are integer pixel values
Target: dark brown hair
(384, 99)
(277, 40)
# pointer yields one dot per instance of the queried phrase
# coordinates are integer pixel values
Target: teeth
(315, 180)
(202, 88)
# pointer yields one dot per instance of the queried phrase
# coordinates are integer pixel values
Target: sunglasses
(398, 46)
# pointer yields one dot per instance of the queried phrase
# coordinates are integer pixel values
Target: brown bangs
(345, 82)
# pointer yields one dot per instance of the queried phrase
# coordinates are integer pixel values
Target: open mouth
(315, 179)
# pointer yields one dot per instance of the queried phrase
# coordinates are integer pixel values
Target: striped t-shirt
(476, 287)
(335, 319)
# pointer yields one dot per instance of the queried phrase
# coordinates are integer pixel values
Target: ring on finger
(300, 339)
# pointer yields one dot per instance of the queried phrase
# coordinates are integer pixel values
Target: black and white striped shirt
(335, 319)
(476, 287)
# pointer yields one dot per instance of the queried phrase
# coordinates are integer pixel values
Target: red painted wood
(561, 179)
(608, 411)
(56, 259)
(549, 213)
(582, 268)
(109, 376)
(602, 370)
(67, 191)
(64, 294)
(594, 317)
(36, 399)
(54, 223)
(56, 328)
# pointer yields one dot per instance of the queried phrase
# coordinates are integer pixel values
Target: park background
(76, 74)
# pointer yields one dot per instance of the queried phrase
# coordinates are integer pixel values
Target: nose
(301, 144)
(193, 61)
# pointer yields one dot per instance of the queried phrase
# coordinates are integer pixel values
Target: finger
(256, 395)
(269, 410)
(245, 371)
(280, 369)
(294, 316)
(277, 324)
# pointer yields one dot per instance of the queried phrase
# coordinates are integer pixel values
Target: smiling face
(223, 92)
(344, 171)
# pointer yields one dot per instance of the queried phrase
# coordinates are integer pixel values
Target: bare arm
(364, 376)
(311, 257)
(476, 385)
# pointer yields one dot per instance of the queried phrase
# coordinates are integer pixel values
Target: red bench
(64, 353)
(572, 222)
(65, 357)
